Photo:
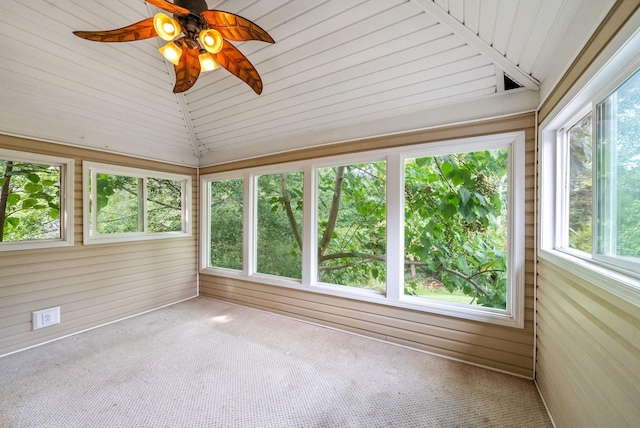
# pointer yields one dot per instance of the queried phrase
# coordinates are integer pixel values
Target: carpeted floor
(206, 363)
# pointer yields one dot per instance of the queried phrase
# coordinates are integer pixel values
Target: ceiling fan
(197, 40)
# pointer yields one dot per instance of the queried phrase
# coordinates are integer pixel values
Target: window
(617, 172)
(225, 202)
(123, 204)
(590, 170)
(280, 224)
(456, 221)
(36, 201)
(579, 185)
(436, 227)
(351, 212)
(600, 196)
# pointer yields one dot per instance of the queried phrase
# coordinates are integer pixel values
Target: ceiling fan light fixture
(171, 52)
(207, 63)
(166, 27)
(193, 30)
(211, 40)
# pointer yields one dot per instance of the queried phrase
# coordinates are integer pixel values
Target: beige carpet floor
(206, 363)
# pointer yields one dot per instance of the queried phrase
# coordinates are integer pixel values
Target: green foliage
(280, 224)
(164, 205)
(580, 185)
(226, 223)
(455, 225)
(352, 229)
(119, 204)
(29, 201)
(627, 168)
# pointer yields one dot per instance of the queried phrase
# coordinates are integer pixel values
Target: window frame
(512, 316)
(67, 171)
(89, 171)
(335, 162)
(563, 152)
(205, 226)
(620, 263)
(597, 83)
(255, 216)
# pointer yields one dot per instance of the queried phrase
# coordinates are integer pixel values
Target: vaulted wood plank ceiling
(339, 70)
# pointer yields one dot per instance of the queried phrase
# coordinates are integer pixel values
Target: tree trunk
(4, 196)
(287, 204)
(333, 213)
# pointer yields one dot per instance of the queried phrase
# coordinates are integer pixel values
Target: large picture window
(456, 219)
(36, 201)
(436, 227)
(123, 204)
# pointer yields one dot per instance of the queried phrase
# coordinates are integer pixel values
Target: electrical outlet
(46, 317)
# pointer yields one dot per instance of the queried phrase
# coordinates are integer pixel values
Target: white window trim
(90, 168)
(67, 172)
(562, 170)
(513, 316)
(619, 60)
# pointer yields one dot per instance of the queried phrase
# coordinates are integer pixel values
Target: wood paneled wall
(92, 284)
(588, 340)
(497, 347)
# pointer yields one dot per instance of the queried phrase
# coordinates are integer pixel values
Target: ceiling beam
(472, 39)
(184, 109)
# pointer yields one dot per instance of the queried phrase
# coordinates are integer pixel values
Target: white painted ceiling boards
(339, 70)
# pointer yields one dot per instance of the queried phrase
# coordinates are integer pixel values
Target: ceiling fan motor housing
(195, 6)
(191, 25)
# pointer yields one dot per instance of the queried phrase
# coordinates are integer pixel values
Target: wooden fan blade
(234, 27)
(138, 31)
(237, 64)
(187, 70)
(169, 7)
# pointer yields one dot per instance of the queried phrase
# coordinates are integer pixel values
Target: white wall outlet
(46, 317)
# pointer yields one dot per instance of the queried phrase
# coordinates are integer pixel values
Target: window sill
(33, 245)
(478, 314)
(624, 286)
(108, 239)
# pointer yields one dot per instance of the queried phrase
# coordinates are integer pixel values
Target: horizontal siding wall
(588, 366)
(501, 348)
(93, 284)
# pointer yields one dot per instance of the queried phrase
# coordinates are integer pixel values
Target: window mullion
(94, 202)
(606, 185)
(562, 194)
(205, 226)
(309, 227)
(612, 183)
(142, 204)
(250, 221)
(395, 229)
(597, 129)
